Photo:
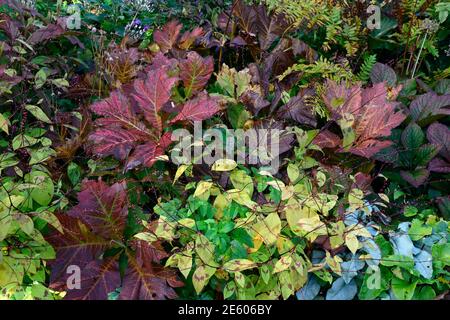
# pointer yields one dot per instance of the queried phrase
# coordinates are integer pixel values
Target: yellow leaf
(242, 181)
(146, 236)
(201, 277)
(220, 203)
(239, 265)
(283, 264)
(181, 169)
(187, 222)
(224, 165)
(4, 124)
(203, 190)
(269, 229)
(205, 249)
(239, 278)
(351, 242)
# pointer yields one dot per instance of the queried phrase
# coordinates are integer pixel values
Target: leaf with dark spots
(416, 178)
(77, 246)
(198, 109)
(439, 135)
(167, 37)
(254, 101)
(297, 110)
(98, 279)
(103, 208)
(195, 72)
(152, 94)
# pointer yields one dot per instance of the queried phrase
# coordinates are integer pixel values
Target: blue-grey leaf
(372, 248)
(342, 291)
(423, 262)
(317, 256)
(310, 290)
(402, 244)
(350, 268)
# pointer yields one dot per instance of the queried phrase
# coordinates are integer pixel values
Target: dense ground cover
(343, 195)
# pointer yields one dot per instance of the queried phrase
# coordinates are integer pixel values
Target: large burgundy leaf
(195, 72)
(439, 165)
(374, 115)
(429, 105)
(50, 31)
(103, 208)
(297, 110)
(77, 246)
(152, 94)
(198, 109)
(145, 154)
(269, 27)
(116, 142)
(254, 101)
(167, 37)
(98, 279)
(439, 135)
(146, 280)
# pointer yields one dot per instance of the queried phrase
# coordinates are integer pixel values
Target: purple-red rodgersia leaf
(366, 113)
(119, 129)
(188, 38)
(98, 279)
(416, 178)
(327, 139)
(195, 72)
(429, 105)
(77, 246)
(151, 95)
(297, 110)
(167, 37)
(439, 135)
(198, 109)
(146, 280)
(246, 17)
(103, 208)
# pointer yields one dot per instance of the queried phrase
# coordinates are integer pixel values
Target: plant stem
(420, 52)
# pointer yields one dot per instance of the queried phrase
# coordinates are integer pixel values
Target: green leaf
(40, 155)
(38, 113)
(403, 290)
(44, 194)
(22, 141)
(410, 211)
(40, 78)
(412, 137)
(5, 222)
(74, 173)
(419, 230)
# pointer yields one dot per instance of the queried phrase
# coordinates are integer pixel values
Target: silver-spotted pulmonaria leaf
(310, 290)
(350, 268)
(423, 262)
(342, 291)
